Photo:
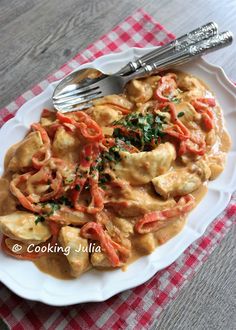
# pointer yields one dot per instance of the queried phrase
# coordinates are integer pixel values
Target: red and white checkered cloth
(138, 308)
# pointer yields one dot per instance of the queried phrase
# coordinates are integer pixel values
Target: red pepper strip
(20, 196)
(89, 154)
(165, 85)
(123, 110)
(46, 113)
(178, 130)
(75, 193)
(186, 147)
(95, 231)
(56, 188)
(97, 203)
(87, 126)
(22, 256)
(208, 100)
(42, 131)
(52, 129)
(154, 221)
(54, 228)
(202, 105)
(41, 157)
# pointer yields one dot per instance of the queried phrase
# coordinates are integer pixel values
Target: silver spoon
(87, 77)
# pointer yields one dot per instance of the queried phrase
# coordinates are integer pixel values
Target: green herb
(39, 218)
(180, 114)
(142, 131)
(87, 158)
(52, 205)
(175, 100)
(64, 201)
(77, 187)
(68, 180)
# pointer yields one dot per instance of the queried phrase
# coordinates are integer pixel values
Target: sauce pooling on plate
(102, 187)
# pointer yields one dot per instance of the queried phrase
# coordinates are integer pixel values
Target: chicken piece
(100, 260)
(182, 182)
(145, 243)
(190, 117)
(125, 226)
(176, 183)
(173, 228)
(66, 145)
(117, 100)
(104, 115)
(216, 164)
(22, 156)
(140, 168)
(138, 201)
(75, 218)
(153, 81)
(7, 200)
(21, 226)
(78, 256)
(139, 91)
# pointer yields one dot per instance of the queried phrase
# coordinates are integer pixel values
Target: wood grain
(37, 37)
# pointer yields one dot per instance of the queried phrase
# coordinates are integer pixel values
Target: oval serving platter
(24, 278)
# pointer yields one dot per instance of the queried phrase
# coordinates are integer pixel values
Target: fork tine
(77, 100)
(74, 98)
(71, 108)
(74, 92)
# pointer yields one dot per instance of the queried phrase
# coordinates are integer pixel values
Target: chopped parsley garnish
(68, 180)
(77, 187)
(50, 207)
(180, 114)
(141, 131)
(64, 201)
(175, 100)
(39, 218)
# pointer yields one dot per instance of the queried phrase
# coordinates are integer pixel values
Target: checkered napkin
(138, 308)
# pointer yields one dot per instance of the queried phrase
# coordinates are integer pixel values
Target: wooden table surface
(37, 37)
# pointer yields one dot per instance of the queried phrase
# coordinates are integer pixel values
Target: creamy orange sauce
(141, 193)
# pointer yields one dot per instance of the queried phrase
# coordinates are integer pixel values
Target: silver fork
(80, 98)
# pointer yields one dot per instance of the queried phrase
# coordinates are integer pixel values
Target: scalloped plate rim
(98, 294)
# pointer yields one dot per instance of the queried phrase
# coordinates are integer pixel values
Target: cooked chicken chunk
(66, 145)
(182, 182)
(21, 226)
(137, 201)
(22, 157)
(140, 168)
(117, 100)
(139, 91)
(100, 260)
(7, 201)
(105, 115)
(78, 256)
(145, 243)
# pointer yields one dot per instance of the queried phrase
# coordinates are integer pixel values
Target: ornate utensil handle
(206, 31)
(222, 40)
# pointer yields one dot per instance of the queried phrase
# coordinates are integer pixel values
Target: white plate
(23, 278)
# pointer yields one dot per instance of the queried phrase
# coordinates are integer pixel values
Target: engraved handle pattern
(181, 43)
(204, 32)
(224, 39)
(219, 41)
